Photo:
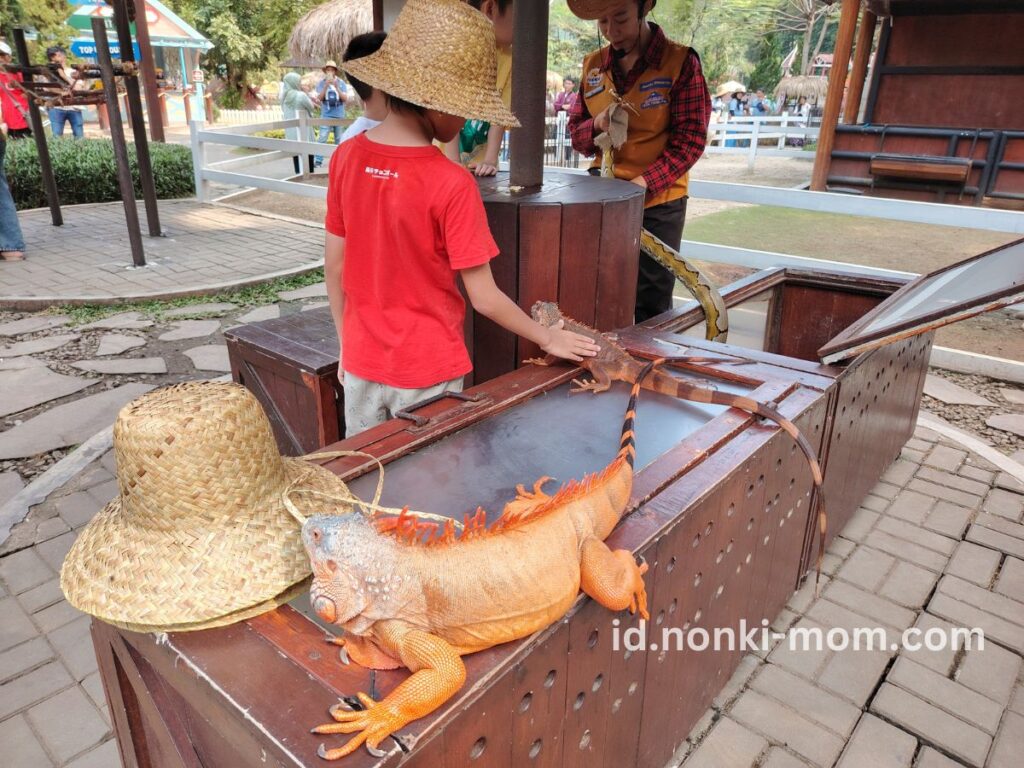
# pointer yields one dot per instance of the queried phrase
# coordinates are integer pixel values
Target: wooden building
(940, 115)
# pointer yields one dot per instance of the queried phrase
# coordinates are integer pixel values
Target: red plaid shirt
(690, 110)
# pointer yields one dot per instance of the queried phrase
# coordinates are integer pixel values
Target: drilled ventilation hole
(585, 740)
(659, 619)
(524, 703)
(750, 490)
(576, 705)
(632, 688)
(707, 529)
(673, 605)
(616, 706)
(719, 556)
(790, 513)
(760, 480)
(478, 748)
(719, 591)
(696, 578)
(729, 546)
(535, 749)
(778, 464)
(749, 556)
(592, 640)
(696, 616)
(550, 679)
(731, 510)
(671, 564)
(766, 539)
(792, 482)
(696, 541)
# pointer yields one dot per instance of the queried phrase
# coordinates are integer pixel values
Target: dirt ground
(872, 242)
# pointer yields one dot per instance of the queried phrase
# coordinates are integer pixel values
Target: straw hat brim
(152, 580)
(388, 71)
(591, 10)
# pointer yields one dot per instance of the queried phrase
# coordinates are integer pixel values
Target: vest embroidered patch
(653, 100)
(594, 91)
(594, 77)
(660, 82)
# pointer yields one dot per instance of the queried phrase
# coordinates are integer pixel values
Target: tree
(248, 37)
(46, 17)
(801, 16)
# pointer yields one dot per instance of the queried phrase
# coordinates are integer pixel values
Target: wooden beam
(861, 54)
(153, 101)
(378, 15)
(834, 99)
(529, 70)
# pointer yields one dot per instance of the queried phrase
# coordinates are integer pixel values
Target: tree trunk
(806, 52)
(821, 35)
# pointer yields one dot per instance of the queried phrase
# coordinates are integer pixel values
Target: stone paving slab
(952, 394)
(29, 387)
(35, 346)
(118, 343)
(190, 329)
(210, 357)
(151, 365)
(309, 292)
(193, 258)
(268, 312)
(122, 321)
(33, 324)
(67, 424)
(21, 363)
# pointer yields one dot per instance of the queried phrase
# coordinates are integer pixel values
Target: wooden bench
(945, 170)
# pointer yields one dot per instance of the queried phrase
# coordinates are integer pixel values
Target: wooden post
(378, 15)
(529, 69)
(859, 73)
(39, 134)
(124, 173)
(133, 98)
(154, 106)
(834, 99)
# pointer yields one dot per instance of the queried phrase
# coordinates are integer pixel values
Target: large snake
(716, 316)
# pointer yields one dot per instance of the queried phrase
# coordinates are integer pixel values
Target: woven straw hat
(199, 535)
(591, 10)
(439, 55)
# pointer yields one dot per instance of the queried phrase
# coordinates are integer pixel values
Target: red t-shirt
(410, 218)
(11, 98)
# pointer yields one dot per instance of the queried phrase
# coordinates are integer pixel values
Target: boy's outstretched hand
(568, 345)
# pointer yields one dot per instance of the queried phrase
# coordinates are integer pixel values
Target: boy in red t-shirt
(402, 219)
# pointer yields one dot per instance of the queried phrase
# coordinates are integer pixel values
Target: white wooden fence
(766, 135)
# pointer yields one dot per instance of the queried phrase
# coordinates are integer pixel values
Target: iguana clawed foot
(342, 650)
(371, 725)
(584, 385)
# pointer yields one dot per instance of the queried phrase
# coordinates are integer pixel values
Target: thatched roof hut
(324, 32)
(813, 88)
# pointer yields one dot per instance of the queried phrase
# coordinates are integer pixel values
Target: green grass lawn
(837, 237)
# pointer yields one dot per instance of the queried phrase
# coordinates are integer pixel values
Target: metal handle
(419, 421)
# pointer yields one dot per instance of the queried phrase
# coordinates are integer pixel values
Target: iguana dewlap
(422, 606)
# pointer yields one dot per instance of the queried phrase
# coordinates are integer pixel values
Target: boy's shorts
(368, 403)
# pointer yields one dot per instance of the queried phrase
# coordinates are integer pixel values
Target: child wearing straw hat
(403, 221)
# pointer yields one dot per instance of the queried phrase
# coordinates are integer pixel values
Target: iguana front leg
(438, 673)
(613, 578)
(601, 382)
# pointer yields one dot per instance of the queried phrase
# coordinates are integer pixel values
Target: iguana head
(546, 313)
(352, 565)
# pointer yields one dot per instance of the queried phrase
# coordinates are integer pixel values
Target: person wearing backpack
(332, 93)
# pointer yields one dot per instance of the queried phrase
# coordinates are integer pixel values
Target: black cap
(52, 50)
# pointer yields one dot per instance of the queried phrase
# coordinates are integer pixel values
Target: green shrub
(276, 133)
(86, 172)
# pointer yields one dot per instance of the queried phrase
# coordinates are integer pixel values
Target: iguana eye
(316, 534)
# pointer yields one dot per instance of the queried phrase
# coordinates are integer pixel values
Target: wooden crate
(720, 508)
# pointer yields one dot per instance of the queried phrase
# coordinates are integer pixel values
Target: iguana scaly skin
(613, 363)
(422, 605)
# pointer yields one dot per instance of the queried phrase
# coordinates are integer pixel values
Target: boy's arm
(489, 165)
(451, 150)
(490, 301)
(334, 263)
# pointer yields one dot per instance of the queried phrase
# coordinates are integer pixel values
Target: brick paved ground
(206, 246)
(939, 542)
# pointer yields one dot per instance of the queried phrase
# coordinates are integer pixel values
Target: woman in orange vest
(668, 105)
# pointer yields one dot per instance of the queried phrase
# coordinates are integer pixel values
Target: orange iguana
(613, 363)
(403, 601)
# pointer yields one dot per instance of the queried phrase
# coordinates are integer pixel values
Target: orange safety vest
(648, 118)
